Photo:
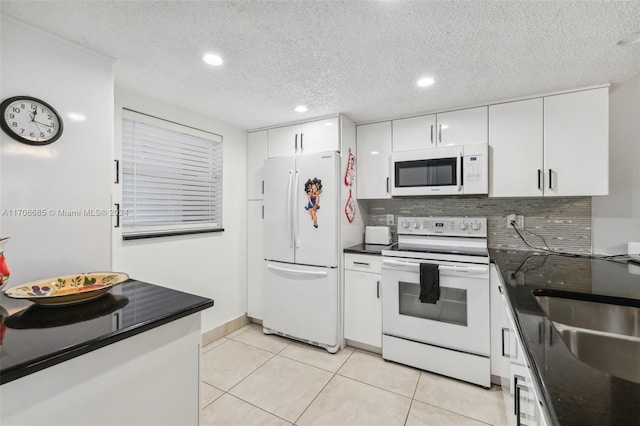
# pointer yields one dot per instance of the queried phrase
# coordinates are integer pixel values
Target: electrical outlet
(520, 221)
(390, 219)
(510, 218)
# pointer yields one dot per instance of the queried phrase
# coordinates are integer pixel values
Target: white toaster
(377, 235)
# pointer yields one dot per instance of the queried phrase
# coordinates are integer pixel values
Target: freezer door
(279, 176)
(302, 302)
(316, 208)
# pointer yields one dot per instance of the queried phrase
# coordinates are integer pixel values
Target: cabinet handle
(516, 395)
(263, 187)
(504, 354)
(117, 178)
(440, 133)
(361, 263)
(432, 134)
(117, 215)
(388, 186)
(301, 142)
(378, 289)
(263, 211)
(296, 142)
(550, 179)
(539, 179)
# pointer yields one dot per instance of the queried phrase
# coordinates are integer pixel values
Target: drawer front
(363, 263)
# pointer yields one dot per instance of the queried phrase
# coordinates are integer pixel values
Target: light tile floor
(249, 378)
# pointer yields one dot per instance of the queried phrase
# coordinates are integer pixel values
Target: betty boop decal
(313, 188)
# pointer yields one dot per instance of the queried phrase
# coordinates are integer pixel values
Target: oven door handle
(400, 263)
(467, 270)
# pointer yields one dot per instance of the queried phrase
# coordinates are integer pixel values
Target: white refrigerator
(301, 213)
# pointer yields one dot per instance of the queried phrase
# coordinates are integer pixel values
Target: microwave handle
(459, 171)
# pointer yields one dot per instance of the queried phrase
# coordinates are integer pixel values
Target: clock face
(30, 120)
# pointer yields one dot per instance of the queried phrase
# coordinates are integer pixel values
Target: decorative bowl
(68, 289)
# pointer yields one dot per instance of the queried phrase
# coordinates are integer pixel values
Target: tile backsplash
(563, 223)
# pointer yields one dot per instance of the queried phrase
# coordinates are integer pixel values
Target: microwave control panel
(445, 226)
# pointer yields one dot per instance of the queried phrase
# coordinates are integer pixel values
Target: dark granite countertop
(367, 249)
(574, 392)
(35, 337)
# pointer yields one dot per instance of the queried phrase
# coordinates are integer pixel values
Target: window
(172, 178)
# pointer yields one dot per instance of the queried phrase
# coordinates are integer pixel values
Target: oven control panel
(446, 226)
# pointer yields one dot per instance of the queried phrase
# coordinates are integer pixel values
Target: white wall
(616, 217)
(73, 173)
(213, 265)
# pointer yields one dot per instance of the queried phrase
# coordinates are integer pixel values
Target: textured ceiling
(361, 58)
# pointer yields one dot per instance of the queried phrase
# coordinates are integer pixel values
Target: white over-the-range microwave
(451, 170)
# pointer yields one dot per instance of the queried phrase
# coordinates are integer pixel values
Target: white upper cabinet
(463, 127)
(515, 149)
(373, 147)
(305, 138)
(320, 136)
(414, 133)
(576, 143)
(552, 146)
(256, 154)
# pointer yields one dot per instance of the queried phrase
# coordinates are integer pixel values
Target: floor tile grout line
(372, 385)
(312, 365)
(323, 388)
(406, 418)
(454, 412)
(259, 408)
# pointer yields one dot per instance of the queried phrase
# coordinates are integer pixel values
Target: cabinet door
(373, 146)
(320, 136)
(576, 143)
(414, 133)
(256, 154)
(499, 328)
(362, 308)
(515, 149)
(282, 141)
(255, 258)
(463, 127)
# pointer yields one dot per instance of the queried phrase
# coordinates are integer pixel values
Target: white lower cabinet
(521, 395)
(255, 258)
(362, 303)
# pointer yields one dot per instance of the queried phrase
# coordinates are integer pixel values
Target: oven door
(433, 171)
(460, 318)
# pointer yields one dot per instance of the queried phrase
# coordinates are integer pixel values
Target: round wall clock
(30, 120)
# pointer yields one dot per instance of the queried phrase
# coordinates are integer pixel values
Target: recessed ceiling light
(630, 39)
(425, 82)
(301, 108)
(213, 59)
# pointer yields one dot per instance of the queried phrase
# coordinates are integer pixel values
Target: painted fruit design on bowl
(68, 289)
(4, 267)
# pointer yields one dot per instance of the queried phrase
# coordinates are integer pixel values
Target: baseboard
(229, 327)
(364, 346)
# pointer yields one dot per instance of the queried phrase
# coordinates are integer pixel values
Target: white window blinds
(172, 178)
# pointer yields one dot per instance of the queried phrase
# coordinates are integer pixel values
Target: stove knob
(476, 226)
(405, 224)
(416, 225)
(464, 225)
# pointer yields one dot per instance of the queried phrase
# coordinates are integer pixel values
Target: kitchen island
(573, 392)
(129, 357)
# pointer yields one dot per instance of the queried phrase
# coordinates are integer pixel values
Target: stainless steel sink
(603, 332)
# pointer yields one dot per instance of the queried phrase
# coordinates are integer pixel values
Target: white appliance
(377, 235)
(460, 169)
(450, 337)
(301, 296)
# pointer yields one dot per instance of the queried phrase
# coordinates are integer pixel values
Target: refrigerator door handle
(296, 210)
(297, 271)
(289, 210)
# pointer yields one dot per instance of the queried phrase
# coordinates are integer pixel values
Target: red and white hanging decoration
(349, 179)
